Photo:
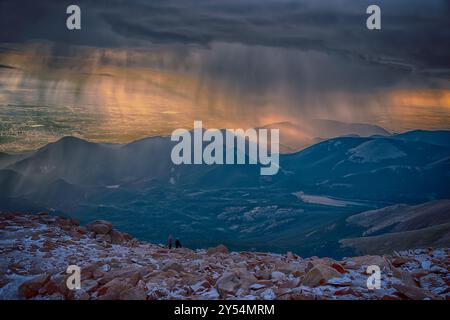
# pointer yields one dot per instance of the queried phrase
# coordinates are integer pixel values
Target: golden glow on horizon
(421, 98)
(111, 98)
(424, 108)
(127, 102)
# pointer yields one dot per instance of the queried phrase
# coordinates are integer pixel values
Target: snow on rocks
(37, 249)
(268, 294)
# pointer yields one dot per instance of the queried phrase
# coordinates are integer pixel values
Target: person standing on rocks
(169, 241)
(178, 244)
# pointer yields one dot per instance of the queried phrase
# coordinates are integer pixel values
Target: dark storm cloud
(414, 32)
(307, 57)
(246, 61)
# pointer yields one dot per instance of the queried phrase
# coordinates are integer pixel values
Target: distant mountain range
(137, 186)
(410, 166)
(395, 168)
(297, 136)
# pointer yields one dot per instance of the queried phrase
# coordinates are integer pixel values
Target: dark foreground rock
(36, 250)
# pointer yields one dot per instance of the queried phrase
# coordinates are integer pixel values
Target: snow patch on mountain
(375, 151)
(324, 200)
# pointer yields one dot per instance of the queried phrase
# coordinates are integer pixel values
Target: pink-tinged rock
(263, 274)
(97, 274)
(338, 267)
(319, 275)
(30, 288)
(419, 273)
(290, 267)
(49, 245)
(117, 237)
(365, 261)
(282, 293)
(302, 295)
(290, 284)
(173, 266)
(399, 261)
(405, 277)
(233, 280)
(61, 281)
(51, 287)
(261, 284)
(129, 275)
(413, 292)
(113, 289)
(99, 227)
(347, 291)
(91, 272)
(219, 249)
(103, 238)
(81, 230)
(291, 256)
(136, 293)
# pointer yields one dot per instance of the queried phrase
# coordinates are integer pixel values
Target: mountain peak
(72, 140)
(68, 144)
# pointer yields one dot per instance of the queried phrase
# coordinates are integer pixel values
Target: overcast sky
(258, 60)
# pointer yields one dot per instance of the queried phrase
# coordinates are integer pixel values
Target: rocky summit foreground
(37, 249)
